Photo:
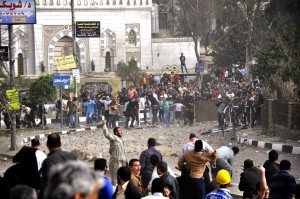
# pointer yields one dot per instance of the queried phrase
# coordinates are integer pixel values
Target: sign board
(76, 74)
(95, 87)
(13, 96)
(3, 53)
(61, 80)
(65, 63)
(88, 29)
(71, 84)
(17, 12)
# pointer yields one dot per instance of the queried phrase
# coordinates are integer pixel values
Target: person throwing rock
(116, 151)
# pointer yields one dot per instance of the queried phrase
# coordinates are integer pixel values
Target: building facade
(126, 29)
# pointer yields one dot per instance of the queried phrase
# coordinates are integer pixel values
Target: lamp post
(75, 56)
(12, 85)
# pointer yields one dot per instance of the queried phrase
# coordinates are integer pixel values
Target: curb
(268, 145)
(43, 135)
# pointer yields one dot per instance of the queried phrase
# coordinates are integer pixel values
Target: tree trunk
(12, 82)
(196, 47)
(43, 115)
(249, 50)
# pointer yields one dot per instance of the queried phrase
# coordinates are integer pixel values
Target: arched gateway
(55, 50)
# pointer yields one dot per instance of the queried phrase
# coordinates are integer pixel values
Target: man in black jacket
(185, 183)
(249, 178)
(55, 156)
(25, 172)
(125, 186)
(154, 108)
(170, 181)
(282, 184)
(182, 63)
(131, 112)
(271, 165)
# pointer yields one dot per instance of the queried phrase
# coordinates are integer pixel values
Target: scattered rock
(88, 156)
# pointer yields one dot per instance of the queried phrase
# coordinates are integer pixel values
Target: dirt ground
(170, 141)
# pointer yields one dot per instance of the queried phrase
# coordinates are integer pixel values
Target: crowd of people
(29, 110)
(166, 101)
(169, 101)
(205, 173)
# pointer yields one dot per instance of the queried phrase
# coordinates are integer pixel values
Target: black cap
(193, 135)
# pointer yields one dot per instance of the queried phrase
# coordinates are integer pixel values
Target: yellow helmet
(223, 177)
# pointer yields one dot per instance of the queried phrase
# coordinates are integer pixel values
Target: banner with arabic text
(17, 12)
(14, 100)
(65, 63)
(61, 80)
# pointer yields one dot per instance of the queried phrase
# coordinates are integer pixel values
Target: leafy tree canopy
(281, 52)
(42, 90)
(129, 71)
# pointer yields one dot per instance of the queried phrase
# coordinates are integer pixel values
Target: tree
(41, 91)
(239, 31)
(281, 52)
(195, 20)
(128, 71)
(249, 9)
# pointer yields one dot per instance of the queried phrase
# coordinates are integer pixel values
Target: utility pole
(12, 85)
(75, 57)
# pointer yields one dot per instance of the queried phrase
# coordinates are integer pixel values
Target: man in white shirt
(126, 189)
(191, 145)
(106, 101)
(143, 106)
(206, 148)
(154, 94)
(178, 112)
(225, 159)
(40, 156)
(154, 161)
(29, 162)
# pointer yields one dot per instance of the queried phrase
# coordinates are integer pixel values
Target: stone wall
(206, 111)
(166, 51)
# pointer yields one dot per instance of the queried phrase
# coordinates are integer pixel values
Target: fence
(281, 118)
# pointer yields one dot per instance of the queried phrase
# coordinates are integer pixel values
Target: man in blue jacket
(106, 192)
(282, 184)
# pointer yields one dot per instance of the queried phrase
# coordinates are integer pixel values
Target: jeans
(221, 163)
(221, 119)
(154, 114)
(113, 120)
(72, 118)
(183, 66)
(166, 119)
(171, 117)
(106, 115)
(65, 118)
(89, 117)
(161, 115)
(98, 115)
(199, 188)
